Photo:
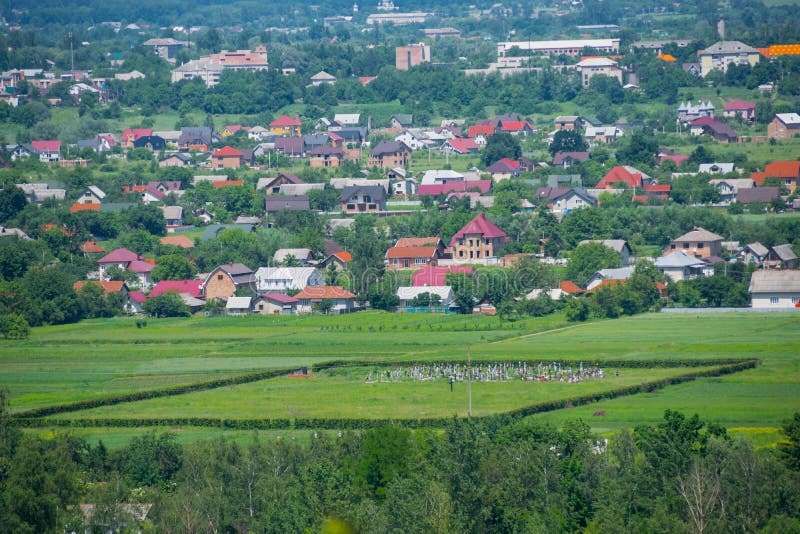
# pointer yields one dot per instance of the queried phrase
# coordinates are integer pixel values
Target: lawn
(99, 358)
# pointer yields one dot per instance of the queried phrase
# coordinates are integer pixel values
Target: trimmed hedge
(152, 393)
(28, 421)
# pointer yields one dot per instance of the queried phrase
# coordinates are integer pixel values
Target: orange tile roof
(178, 241)
(227, 183)
(324, 292)
(568, 286)
(410, 252)
(666, 57)
(108, 287)
(84, 207)
(227, 152)
(778, 169)
(417, 241)
(782, 50)
(90, 247)
(344, 256)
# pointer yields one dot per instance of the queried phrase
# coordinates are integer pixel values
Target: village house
(568, 122)
(480, 239)
(728, 188)
(283, 279)
(699, 243)
(680, 266)
(275, 304)
(688, 112)
(273, 185)
(566, 288)
(784, 126)
(503, 169)
(602, 135)
(412, 257)
(129, 135)
(49, 151)
(325, 156)
(630, 176)
(322, 77)
(178, 159)
(91, 195)
(781, 257)
(123, 258)
(238, 305)
(603, 276)
(390, 154)
(564, 200)
(209, 68)
(754, 253)
(714, 128)
(173, 215)
(336, 299)
(775, 289)
(300, 255)
(224, 281)
(153, 143)
(787, 173)
(739, 108)
(276, 203)
(286, 126)
(226, 158)
(411, 55)
(363, 199)
(196, 138)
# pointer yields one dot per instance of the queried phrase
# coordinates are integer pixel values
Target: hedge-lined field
(207, 362)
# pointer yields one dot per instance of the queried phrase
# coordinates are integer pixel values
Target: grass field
(106, 357)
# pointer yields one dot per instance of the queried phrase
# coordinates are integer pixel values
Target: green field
(96, 359)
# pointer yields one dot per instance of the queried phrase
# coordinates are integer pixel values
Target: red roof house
(789, 171)
(190, 287)
(480, 129)
(477, 240)
(226, 158)
(461, 146)
(132, 134)
(631, 176)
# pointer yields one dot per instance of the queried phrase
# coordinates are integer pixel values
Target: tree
(790, 448)
(151, 459)
(568, 141)
(12, 201)
(167, 305)
(589, 258)
(14, 326)
(500, 145)
(173, 267)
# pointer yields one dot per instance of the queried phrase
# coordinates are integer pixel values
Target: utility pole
(469, 382)
(71, 54)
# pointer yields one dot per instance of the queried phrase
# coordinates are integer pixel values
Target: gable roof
(778, 169)
(324, 292)
(503, 166)
(758, 249)
(285, 120)
(190, 287)
(108, 287)
(376, 192)
(177, 241)
(484, 186)
(773, 281)
(300, 254)
(738, 105)
(286, 202)
(569, 287)
(757, 194)
(728, 47)
(238, 303)
(227, 152)
(617, 245)
(418, 242)
(784, 252)
(480, 129)
(385, 148)
(120, 255)
(561, 157)
(445, 293)
(462, 145)
(280, 298)
(410, 252)
(140, 266)
(698, 235)
(482, 226)
(631, 176)
(678, 259)
(47, 146)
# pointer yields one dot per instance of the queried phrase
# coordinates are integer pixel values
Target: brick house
(225, 280)
(699, 243)
(478, 240)
(226, 157)
(390, 154)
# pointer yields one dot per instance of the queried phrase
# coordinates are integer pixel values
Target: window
(686, 245)
(700, 245)
(351, 206)
(773, 300)
(672, 246)
(420, 261)
(220, 277)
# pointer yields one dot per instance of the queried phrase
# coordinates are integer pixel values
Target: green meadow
(99, 358)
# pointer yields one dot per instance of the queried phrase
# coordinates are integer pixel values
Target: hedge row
(622, 364)
(152, 394)
(361, 424)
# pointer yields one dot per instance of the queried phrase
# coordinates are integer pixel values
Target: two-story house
(699, 243)
(390, 154)
(480, 239)
(225, 280)
(363, 199)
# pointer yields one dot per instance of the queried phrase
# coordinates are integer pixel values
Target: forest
(680, 475)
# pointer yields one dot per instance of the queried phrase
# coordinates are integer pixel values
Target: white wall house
(775, 290)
